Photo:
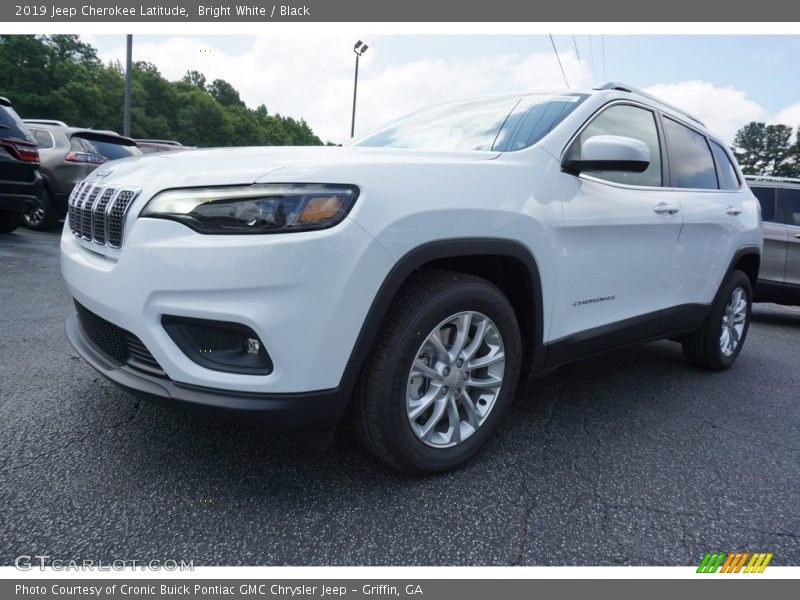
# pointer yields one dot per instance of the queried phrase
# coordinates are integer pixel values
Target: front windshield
(500, 123)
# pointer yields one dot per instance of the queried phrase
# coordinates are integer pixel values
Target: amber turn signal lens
(321, 209)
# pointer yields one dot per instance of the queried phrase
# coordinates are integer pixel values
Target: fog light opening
(219, 345)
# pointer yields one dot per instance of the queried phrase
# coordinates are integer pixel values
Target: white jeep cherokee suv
(417, 273)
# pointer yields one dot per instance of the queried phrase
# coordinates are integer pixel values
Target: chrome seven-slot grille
(97, 212)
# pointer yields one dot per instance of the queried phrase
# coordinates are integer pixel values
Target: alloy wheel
(34, 214)
(733, 322)
(455, 379)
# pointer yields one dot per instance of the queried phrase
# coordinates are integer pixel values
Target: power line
(603, 40)
(594, 67)
(558, 58)
(575, 43)
(578, 55)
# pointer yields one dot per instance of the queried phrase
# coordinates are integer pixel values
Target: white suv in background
(417, 273)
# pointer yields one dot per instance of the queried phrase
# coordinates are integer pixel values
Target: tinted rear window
(689, 158)
(730, 180)
(12, 127)
(766, 197)
(111, 150)
(43, 138)
(790, 200)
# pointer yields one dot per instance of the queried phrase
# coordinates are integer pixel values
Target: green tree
(154, 104)
(201, 121)
(195, 78)
(61, 77)
(763, 149)
(224, 93)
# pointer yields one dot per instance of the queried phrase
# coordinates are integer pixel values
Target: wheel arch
(505, 263)
(747, 260)
(48, 182)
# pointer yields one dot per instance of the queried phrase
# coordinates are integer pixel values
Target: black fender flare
(443, 249)
(749, 250)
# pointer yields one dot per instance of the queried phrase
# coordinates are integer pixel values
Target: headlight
(260, 208)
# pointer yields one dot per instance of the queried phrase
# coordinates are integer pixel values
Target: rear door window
(789, 200)
(730, 180)
(690, 158)
(766, 197)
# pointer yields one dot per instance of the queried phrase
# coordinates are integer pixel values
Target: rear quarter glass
(12, 127)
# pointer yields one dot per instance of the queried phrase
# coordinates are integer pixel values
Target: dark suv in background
(20, 182)
(68, 155)
(779, 278)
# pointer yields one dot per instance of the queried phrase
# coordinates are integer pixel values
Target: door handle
(666, 209)
(797, 235)
(733, 211)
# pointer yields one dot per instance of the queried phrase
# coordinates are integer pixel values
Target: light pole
(126, 112)
(359, 49)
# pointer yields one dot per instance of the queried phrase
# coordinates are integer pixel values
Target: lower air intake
(119, 345)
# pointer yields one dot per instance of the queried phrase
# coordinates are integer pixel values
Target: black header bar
(464, 11)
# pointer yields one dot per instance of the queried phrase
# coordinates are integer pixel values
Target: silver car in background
(779, 278)
(67, 156)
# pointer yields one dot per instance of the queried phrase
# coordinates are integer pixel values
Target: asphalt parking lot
(631, 458)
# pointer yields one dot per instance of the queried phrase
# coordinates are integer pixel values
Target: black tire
(9, 221)
(703, 348)
(381, 420)
(40, 215)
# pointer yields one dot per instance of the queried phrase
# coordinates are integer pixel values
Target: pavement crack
(526, 523)
(530, 503)
(72, 442)
(749, 434)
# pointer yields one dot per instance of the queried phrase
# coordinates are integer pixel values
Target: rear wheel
(40, 214)
(717, 345)
(9, 221)
(443, 373)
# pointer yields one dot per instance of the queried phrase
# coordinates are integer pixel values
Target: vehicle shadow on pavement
(771, 314)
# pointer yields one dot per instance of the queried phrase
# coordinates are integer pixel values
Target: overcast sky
(725, 80)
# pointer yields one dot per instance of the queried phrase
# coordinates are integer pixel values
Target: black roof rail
(5, 101)
(621, 87)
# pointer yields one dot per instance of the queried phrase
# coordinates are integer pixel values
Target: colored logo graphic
(734, 562)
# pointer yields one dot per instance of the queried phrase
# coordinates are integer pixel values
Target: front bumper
(14, 203)
(305, 295)
(16, 195)
(308, 411)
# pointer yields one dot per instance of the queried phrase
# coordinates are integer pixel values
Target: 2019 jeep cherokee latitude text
(416, 274)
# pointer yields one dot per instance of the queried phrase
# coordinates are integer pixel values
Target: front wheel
(443, 373)
(717, 345)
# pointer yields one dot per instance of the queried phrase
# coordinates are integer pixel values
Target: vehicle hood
(231, 166)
